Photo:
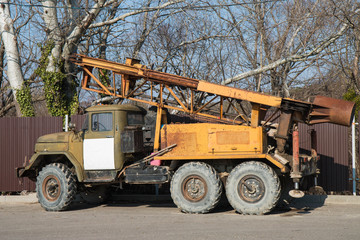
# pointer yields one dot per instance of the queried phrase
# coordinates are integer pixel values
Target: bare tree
(347, 57)
(295, 42)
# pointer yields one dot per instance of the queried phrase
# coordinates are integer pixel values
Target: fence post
(353, 156)
(358, 150)
(66, 123)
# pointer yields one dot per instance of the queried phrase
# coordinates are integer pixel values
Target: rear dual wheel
(196, 188)
(253, 188)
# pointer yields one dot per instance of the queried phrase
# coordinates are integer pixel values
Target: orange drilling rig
(237, 146)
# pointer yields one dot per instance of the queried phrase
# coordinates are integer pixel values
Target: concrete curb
(14, 199)
(314, 201)
(306, 200)
(336, 199)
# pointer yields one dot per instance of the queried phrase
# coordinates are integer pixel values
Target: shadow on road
(301, 206)
(297, 207)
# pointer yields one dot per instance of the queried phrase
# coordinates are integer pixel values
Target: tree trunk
(14, 73)
(53, 33)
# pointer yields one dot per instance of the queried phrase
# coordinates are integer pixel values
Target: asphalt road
(164, 221)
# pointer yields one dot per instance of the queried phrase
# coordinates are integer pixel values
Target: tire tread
(69, 180)
(206, 169)
(268, 205)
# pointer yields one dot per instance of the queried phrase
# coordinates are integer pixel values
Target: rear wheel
(253, 188)
(196, 188)
(55, 187)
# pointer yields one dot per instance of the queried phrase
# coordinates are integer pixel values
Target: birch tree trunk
(14, 73)
(53, 32)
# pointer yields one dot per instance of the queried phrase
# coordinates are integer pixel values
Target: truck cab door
(98, 149)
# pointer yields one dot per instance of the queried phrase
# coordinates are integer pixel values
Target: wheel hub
(251, 189)
(194, 188)
(51, 188)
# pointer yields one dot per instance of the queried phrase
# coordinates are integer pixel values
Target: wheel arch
(279, 167)
(40, 160)
(232, 163)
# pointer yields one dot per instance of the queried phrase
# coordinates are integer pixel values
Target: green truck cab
(65, 163)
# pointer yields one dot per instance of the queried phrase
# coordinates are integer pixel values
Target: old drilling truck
(236, 145)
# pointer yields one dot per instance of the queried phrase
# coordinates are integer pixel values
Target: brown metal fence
(333, 147)
(78, 120)
(17, 140)
(18, 137)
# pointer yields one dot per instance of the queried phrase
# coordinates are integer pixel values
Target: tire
(55, 187)
(253, 188)
(196, 188)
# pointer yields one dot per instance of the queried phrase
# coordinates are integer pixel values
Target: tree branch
(293, 58)
(122, 17)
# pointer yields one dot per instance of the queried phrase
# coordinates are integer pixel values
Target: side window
(135, 118)
(101, 122)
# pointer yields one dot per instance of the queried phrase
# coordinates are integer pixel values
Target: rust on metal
(172, 79)
(251, 188)
(205, 139)
(176, 92)
(51, 188)
(283, 130)
(194, 188)
(199, 142)
(231, 137)
(161, 86)
(241, 94)
(296, 160)
(196, 97)
(332, 110)
(255, 115)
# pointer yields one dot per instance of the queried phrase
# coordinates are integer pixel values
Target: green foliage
(351, 95)
(58, 101)
(74, 104)
(23, 97)
(104, 78)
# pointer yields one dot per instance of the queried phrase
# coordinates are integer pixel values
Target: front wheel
(253, 188)
(196, 188)
(55, 187)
